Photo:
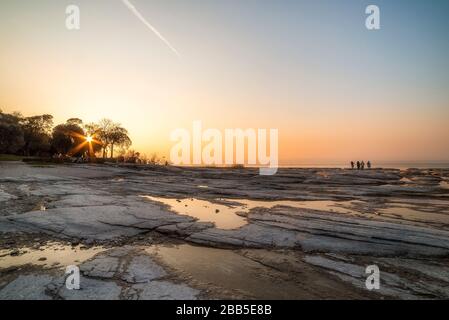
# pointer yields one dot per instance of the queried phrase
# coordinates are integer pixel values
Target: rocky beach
(162, 232)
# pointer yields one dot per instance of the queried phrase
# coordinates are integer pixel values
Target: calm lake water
(378, 165)
(392, 165)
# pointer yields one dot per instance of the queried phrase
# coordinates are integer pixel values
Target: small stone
(42, 259)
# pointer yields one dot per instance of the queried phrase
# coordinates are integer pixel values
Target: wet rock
(27, 287)
(436, 270)
(99, 222)
(164, 290)
(101, 267)
(185, 229)
(85, 200)
(396, 285)
(92, 289)
(142, 269)
(82, 207)
(14, 253)
(127, 263)
(315, 231)
(4, 196)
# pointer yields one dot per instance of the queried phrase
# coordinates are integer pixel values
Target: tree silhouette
(119, 137)
(11, 133)
(37, 134)
(69, 138)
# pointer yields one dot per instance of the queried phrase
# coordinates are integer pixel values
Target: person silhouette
(368, 164)
(362, 165)
(352, 165)
(358, 165)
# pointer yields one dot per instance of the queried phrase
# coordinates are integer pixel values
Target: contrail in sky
(145, 22)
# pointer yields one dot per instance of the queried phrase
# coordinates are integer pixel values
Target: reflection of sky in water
(330, 206)
(226, 269)
(444, 184)
(407, 213)
(225, 215)
(51, 255)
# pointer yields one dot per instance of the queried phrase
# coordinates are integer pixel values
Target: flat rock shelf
(153, 232)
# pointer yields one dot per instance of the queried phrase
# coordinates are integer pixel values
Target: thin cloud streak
(145, 22)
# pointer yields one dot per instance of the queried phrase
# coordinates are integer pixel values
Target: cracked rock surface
(396, 219)
(123, 273)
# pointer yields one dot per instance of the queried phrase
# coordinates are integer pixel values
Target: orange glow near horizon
(90, 140)
(333, 95)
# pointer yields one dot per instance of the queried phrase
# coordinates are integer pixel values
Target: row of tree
(36, 136)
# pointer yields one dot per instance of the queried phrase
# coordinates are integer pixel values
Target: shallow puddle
(40, 206)
(407, 213)
(222, 216)
(228, 270)
(226, 216)
(397, 211)
(444, 184)
(48, 256)
(328, 206)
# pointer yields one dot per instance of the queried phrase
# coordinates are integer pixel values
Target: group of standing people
(360, 165)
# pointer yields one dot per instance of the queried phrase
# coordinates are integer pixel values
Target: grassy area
(10, 157)
(35, 162)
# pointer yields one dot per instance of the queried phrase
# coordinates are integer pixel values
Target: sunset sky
(335, 90)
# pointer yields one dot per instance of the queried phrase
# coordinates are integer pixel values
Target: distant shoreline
(380, 165)
(383, 165)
